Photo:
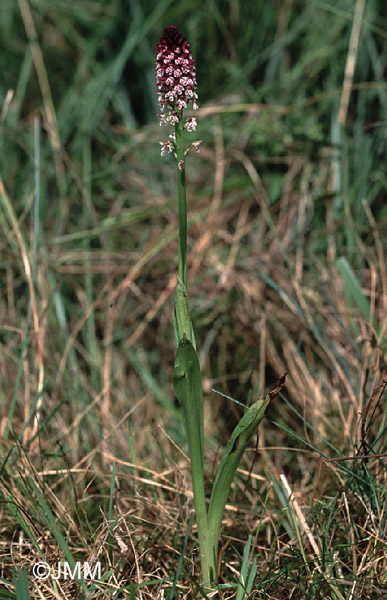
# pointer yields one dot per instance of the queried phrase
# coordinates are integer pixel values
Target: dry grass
(263, 306)
(286, 273)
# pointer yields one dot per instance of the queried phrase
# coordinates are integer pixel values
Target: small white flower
(190, 124)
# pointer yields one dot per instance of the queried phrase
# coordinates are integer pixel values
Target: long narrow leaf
(229, 464)
(188, 389)
(21, 585)
(182, 320)
(353, 288)
(242, 586)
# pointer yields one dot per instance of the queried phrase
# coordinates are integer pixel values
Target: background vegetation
(287, 273)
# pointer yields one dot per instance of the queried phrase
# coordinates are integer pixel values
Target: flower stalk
(182, 201)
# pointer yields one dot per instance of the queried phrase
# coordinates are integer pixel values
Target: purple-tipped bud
(176, 77)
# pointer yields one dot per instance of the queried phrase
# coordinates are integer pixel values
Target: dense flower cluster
(176, 78)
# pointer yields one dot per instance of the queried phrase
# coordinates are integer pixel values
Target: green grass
(286, 271)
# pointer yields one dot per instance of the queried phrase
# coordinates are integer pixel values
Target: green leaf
(182, 321)
(19, 516)
(188, 389)
(21, 585)
(353, 289)
(247, 575)
(229, 464)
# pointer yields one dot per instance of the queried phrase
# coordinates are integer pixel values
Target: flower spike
(176, 77)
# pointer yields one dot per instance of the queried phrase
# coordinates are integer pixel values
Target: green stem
(183, 324)
(188, 386)
(182, 200)
(188, 389)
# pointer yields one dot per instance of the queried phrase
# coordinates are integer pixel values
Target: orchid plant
(176, 85)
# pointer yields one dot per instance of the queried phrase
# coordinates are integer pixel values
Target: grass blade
(21, 585)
